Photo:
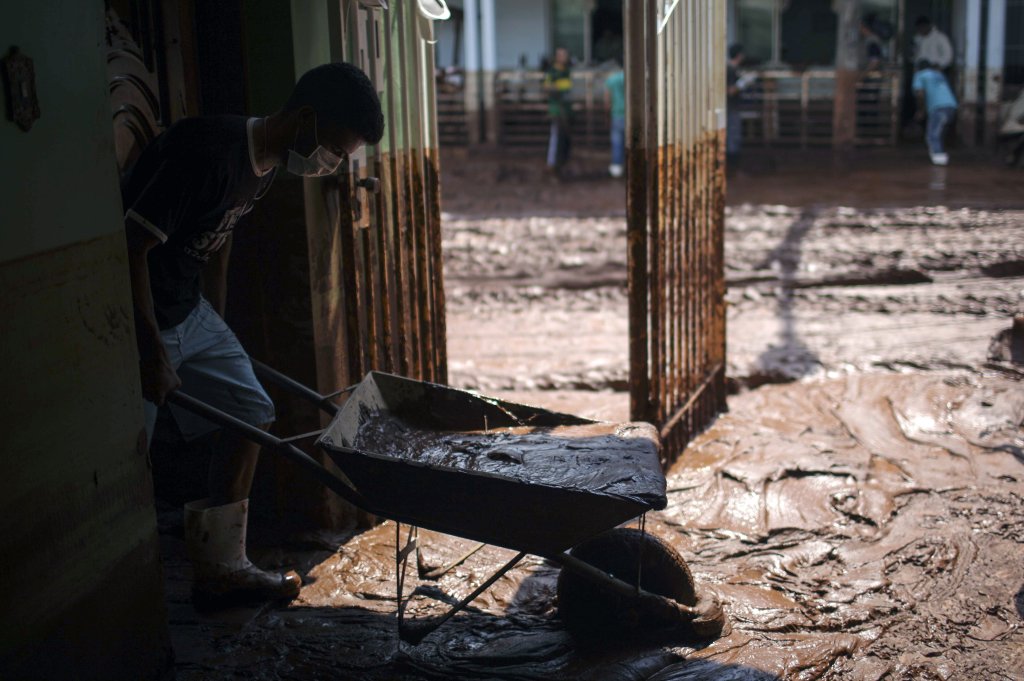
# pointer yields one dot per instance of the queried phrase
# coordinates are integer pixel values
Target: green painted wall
(80, 586)
(310, 20)
(62, 174)
(270, 68)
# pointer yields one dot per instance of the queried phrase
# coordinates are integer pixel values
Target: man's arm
(215, 277)
(922, 108)
(158, 376)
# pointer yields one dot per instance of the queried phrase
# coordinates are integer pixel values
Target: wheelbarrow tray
(492, 471)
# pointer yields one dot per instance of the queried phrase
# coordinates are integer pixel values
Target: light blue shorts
(213, 368)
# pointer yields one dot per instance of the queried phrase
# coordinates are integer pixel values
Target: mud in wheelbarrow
(519, 477)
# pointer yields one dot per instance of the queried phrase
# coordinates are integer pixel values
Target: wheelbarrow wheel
(592, 612)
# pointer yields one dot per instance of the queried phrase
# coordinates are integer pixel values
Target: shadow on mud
(358, 639)
(789, 358)
(353, 643)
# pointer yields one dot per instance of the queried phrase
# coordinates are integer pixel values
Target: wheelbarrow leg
(414, 631)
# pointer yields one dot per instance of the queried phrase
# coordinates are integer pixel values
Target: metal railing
(794, 109)
(522, 111)
(781, 109)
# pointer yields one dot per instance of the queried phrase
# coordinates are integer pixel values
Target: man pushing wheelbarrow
(183, 198)
(422, 454)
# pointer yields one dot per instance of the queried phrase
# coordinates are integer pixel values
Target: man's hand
(919, 116)
(158, 379)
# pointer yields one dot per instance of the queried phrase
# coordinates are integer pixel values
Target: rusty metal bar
(393, 199)
(407, 15)
(404, 161)
(432, 199)
(675, 72)
(637, 204)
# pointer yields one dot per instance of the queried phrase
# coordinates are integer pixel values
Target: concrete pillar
(489, 54)
(732, 30)
(967, 124)
(844, 112)
(588, 31)
(471, 57)
(995, 50)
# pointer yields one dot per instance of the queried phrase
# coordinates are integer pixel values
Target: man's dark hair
(923, 64)
(735, 50)
(341, 93)
(922, 21)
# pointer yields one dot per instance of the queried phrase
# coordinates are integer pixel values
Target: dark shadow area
(789, 358)
(345, 642)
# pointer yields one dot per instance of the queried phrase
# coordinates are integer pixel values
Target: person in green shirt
(615, 101)
(557, 84)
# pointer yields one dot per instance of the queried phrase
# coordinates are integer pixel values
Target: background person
(874, 34)
(615, 102)
(557, 85)
(183, 198)
(932, 44)
(733, 123)
(934, 95)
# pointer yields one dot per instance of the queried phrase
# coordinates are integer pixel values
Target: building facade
(491, 53)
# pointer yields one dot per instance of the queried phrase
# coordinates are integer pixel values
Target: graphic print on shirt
(207, 242)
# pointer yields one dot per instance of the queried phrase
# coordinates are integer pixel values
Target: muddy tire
(591, 612)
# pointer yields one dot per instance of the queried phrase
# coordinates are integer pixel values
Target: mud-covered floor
(864, 519)
(864, 527)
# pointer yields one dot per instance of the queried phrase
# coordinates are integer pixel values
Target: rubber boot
(215, 544)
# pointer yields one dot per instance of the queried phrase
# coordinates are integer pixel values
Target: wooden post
(844, 112)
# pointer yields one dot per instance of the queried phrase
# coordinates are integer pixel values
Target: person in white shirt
(932, 44)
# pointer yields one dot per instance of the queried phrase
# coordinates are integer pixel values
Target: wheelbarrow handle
(286, 449)
(271, 375)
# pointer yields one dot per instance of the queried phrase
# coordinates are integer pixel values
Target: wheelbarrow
(527, 479)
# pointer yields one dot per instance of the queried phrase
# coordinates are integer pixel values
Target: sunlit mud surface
(867, 527)
(539, 303)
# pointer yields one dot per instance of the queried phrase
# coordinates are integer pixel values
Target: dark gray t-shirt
(189, 188)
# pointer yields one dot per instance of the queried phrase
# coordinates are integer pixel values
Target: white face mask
(320, 162)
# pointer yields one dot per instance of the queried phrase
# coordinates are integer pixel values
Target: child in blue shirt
(615, 100)
(936, 97)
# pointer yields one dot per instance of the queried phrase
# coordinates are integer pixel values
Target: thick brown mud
(868, 527)
(539, 303)
(596, 458)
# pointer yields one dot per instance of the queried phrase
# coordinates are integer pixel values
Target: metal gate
(375, 231)
(675, 89)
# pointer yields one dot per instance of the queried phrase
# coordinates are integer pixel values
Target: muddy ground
(862, 518)
(538, 302)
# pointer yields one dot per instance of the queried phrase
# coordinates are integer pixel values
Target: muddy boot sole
(222, 594)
